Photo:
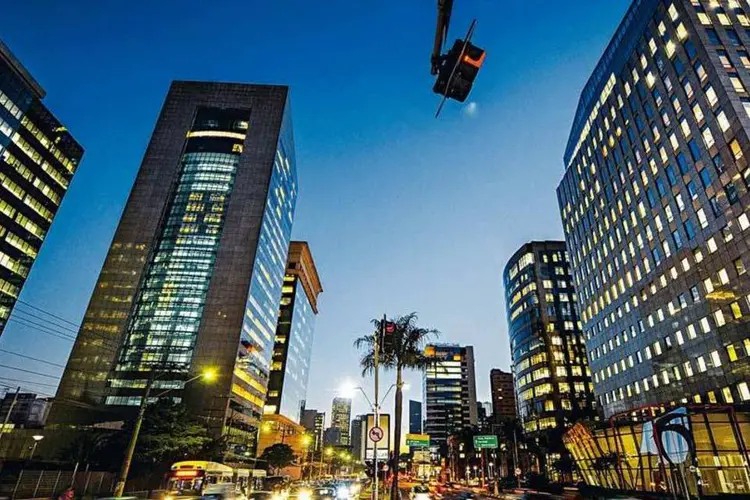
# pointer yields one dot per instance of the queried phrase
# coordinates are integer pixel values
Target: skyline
(334, 178)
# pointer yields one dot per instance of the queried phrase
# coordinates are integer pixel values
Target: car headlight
(305, 495)
(342, 492)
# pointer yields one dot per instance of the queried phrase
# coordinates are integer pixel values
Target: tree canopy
(278, 456)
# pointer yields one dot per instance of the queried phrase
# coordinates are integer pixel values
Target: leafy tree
(169, 433)
(278, 456)
(406, 351)
(89, 447)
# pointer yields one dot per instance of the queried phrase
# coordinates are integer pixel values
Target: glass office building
(38, 158)
(548, 355)
(654, 205)
(194, 275)
(341, 414)
(450, 393)
(290, 365)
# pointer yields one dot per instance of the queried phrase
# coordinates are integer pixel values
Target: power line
(31, 358)
(48, 313)
(63, 330)
(30, 371)
(27, 381)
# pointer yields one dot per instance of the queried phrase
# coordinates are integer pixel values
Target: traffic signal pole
(378, 337)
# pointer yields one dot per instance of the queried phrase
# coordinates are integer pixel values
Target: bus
(198, 478)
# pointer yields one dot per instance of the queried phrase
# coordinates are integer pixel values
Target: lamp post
(36, 438)
(207, 375)
(306, 441)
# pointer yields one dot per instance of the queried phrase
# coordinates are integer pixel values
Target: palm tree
(406, 351)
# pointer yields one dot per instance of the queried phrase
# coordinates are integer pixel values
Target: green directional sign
(485, 442)
(418, 440)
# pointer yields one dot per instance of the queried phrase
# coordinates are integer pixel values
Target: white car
(420, 492)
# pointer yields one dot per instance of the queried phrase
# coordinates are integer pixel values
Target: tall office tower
(450, 397)
(548, 355)
(341, 414)
(415, 417)
(320, 425)
(194, 275)
(654, 206)
(355, 437)
(39, 158)
(503, 395)
(314, 422)
(290, 365)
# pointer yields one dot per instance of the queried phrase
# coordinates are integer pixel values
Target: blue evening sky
(403, 212)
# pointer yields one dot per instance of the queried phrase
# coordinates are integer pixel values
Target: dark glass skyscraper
(654, 204)
(548, 355)
(415, 417)
(450, 393)
(290, 366)
(194, 275)
(38, 158)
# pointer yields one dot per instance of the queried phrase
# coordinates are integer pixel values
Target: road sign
(485, 442)
(418, 440)
(376, 434)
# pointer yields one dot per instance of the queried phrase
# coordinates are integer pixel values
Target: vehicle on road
(420, 492)
(194, 479)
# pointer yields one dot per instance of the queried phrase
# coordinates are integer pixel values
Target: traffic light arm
(441, 32)
(460, 59)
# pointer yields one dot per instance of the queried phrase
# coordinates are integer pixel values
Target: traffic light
(387, 334)
(458, 69)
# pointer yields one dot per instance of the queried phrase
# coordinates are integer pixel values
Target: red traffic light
(390, 327)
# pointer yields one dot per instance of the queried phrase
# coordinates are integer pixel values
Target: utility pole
(515, 453)
(378, 336)
(10, 410)
(125, 469)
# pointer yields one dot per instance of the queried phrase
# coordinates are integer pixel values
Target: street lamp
(36, 438)
(208, 375)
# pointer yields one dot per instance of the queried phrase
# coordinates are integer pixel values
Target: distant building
(450, 392)
(290, 365)
(356, 437)
(320, 425)
(38, 158)
(551, 374)
(28, 410)
(280, 429)
(503, 395)
(484, 418)
(341, 414)
(314, 422)
(332, 436)
(415, 417)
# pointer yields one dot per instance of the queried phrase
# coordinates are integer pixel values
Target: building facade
(654, 204)
(194, 274)
(548, 355)
(415, 417)
(450, 394)
(356, 435)
(503, 395)
(24, 409)
(290, 365)
(38, 158)
(341, 414)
